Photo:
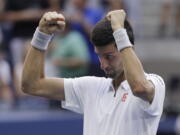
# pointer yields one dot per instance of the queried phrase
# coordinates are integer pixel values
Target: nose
(104, 63)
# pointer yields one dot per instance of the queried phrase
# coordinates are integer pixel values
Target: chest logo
(124, 97)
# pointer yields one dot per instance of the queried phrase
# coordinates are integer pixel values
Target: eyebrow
(109, 53)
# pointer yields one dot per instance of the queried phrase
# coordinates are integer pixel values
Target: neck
(117, 81)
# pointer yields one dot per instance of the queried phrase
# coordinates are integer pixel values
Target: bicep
(149, 92)
(145, 91)
(52, 88)
(156, 105)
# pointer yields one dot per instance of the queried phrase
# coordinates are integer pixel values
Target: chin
(112, 75)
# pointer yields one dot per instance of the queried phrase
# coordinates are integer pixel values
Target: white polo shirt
(106, 114)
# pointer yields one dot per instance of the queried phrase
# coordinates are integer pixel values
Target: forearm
(133, 69)
(34, 81)
(33, 78)
(33, 69)
(135, 75)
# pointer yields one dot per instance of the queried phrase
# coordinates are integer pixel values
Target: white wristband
(122, 39)
(41, 40)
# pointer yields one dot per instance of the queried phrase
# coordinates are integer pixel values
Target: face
(110, 60)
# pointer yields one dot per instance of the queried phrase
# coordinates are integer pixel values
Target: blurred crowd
(71, 53)
(170, 15)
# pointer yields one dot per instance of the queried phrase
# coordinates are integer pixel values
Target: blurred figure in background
(2, 5)
(132, 8)
(112, 4)
(19, 19)
(170, 8)
(71, 54)
(83, 18)
(23, 15)
(24, 101)
(5, 76)
(5, 79)
(177, 25)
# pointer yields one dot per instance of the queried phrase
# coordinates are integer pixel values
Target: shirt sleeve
(156, 107)
(77, 91)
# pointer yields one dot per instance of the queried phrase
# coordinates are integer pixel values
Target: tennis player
(127, 102)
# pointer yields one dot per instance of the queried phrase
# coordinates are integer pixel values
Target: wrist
(41, 39)
(117, 28)
(121, 39)
(44, 30)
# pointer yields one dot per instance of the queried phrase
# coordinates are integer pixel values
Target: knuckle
(48, 13)
(60, 15)
(54, 14)
(44, 16)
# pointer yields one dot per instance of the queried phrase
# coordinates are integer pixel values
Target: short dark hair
(102, 33)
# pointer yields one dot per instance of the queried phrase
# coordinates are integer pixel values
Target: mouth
(107, 71)
(110, 73)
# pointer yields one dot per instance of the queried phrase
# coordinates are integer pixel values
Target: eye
(109, 56)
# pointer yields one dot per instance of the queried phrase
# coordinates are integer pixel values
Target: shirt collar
(124, 85)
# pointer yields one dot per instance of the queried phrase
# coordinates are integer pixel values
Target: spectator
(1, 9)
(114, 4)
(5, 90)
(168, 8)
(83, 18)
(23, 14)
(22, 17)
(71, 60)
(133, 9)
(25, 101)
(70, 55)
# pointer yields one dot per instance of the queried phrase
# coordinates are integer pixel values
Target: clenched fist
(51, 23)
(117, 18)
